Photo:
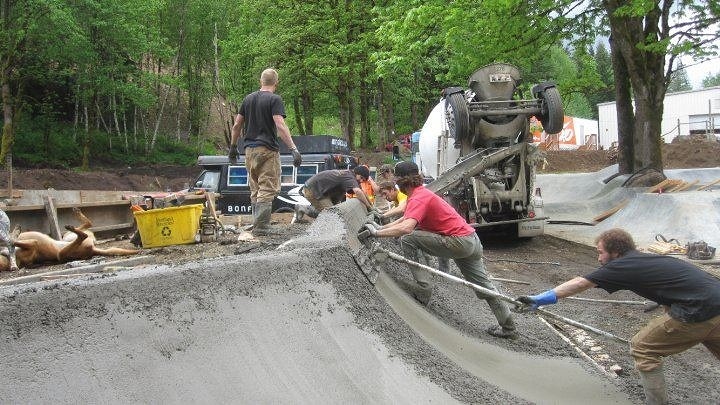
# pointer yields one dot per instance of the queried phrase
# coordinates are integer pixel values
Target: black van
(230, 180)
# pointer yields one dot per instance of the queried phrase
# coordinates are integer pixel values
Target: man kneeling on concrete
(690, 296)
(329, 187)
(431, 225)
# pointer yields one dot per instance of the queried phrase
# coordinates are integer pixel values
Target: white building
(685, 113)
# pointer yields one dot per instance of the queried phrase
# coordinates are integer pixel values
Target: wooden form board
(605, 214)
(676, 185)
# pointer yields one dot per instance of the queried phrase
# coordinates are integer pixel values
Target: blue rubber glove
(535, 301)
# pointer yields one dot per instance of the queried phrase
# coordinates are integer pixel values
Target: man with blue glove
(690, 297)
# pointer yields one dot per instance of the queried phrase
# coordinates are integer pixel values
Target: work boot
(262, 227)
(499, 331)
(253, 210)
(422, 295)
(653, 383)
(302, 210)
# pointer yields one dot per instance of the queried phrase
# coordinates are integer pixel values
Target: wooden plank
(672, 188)
(685, 186)
(112, 227)
(705, 187)
(604, 215)
(663, 185)
(95, 204)
(4, 193)
(52, 217)
(210, 197)
(61, 276)
(95, 196)
(666, 248)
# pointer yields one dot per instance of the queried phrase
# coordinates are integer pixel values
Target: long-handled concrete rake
(379, 251)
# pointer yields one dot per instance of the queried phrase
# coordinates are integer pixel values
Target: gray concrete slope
(297, 325)
(261, 329)
(687, 216)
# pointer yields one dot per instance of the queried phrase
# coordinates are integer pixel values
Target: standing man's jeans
(466, 251)
(263, 166)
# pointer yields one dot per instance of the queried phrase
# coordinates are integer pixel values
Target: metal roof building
(685, 113)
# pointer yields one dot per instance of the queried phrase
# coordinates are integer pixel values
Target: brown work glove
(233, 155)
(297, 158)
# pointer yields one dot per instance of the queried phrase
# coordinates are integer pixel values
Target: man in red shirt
(431, 225)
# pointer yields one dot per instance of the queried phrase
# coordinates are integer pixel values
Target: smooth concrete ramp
(300, 324)
(687, 216)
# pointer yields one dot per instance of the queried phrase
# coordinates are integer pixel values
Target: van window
(290, 175)
(304, 172)
(237, 176)
(286, 175)
(208, 180)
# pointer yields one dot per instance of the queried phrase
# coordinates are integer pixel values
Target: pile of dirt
(144, 178)
(686, 152)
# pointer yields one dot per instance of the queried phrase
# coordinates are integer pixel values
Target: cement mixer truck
(476, 144)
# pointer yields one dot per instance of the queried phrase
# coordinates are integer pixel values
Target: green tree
(644, 36)
(679, 80)
(604, 69)
(28, 52)
(711, 80)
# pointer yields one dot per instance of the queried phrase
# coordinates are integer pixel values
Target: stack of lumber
(666, 248)
(675, 185)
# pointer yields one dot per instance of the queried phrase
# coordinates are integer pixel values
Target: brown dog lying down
(34, 248)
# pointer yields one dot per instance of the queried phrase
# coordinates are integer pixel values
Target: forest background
(89, 83)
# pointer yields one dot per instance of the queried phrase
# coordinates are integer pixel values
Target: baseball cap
(362, 170)
(403, 169)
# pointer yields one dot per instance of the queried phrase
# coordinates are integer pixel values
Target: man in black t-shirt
(329, 187)
(259, 121)
(690, 297)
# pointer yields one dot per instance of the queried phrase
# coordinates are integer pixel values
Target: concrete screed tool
(379, 255)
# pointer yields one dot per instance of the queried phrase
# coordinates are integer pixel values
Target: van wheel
(458, 117)
(552, 111)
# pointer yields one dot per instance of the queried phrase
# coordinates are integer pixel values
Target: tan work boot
(653, 383)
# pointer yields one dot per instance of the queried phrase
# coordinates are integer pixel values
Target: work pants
(665, 336)
(263, 166)
(466, 252)
(318, 203)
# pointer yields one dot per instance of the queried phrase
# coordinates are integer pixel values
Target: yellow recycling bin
(169, 226)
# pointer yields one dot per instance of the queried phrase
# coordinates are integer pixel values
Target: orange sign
(566, 136)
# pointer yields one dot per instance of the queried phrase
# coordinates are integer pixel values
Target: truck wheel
(458, 117)
(552, 111)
